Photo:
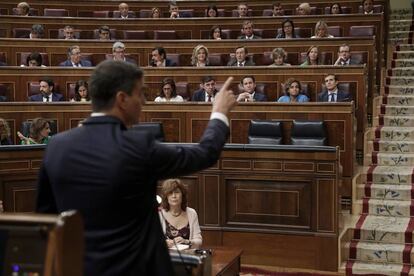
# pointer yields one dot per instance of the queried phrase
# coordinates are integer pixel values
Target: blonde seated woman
(200, 56)
(179, 222)
(321, 30)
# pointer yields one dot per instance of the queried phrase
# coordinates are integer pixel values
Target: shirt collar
(333, 91)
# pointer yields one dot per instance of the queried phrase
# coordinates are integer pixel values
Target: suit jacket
(56, 97)
(123, 233)
(233, 62)
(342, 96)
(259, 97)
(170, 63)
(200, 95)
(254, 37)
(83, 63)
(3, 98)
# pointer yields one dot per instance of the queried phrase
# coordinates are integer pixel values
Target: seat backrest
(215, 59)
(70, 89)
(145, 13)
(361, 30)
(267, 12)
(117, 14)
(266, 59)
(21, 32)
(24, 55)
(303, 32)
(265, 132)
(104, 14)
(135, 34)
(156, 129)
(165, 34)
(230, 34)
(309, 133)
(182, 89)
(174, 58)
(336, 31)
(359, 57)
(5, 91)
(56, 12)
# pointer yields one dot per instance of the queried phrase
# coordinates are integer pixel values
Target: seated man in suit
(333, 94)
(159, 58)
(207, 92)
(175, 12)
(248, 84)
(75, 58)
(23, 9)
(37, 31)
(277, 9)
(104, 33)
(124, 11)
(241, 59)
(46, 92)
(68, 32)
(344, 56)
(118, 53)
(247, 31)
(242, 10)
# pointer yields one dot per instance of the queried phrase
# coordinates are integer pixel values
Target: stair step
(389, 159)
(400, 34)
(403, 54)
(389, 120)
(401, 63)
(406, 81)
(379, 252)
(362, 268)
(381, 191)
(386, 208)
(399, 90)
(398, 99)
(406, 27)
(387, 175)
(387, 133)
(401, 71)
(405, 47)
(391, 146)
(396, 110)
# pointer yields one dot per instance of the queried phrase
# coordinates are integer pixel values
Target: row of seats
(336, 31)
(308, 133)
(215, 59)
(183, 89)
(146, 13)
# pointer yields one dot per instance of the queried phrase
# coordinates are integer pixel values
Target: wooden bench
(284, 200)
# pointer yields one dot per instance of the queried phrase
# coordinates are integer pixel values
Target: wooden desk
(226, 261)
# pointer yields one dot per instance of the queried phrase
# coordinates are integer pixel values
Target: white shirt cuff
(221, 117)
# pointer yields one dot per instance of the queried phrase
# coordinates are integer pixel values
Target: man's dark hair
(277, 4)
(35, 56)
(104, 29)
(240, 47)
(161, 51)
(245, 77)
(110, 77)
(38, 29)
(207, 79)
(327, 75)
(49, 82)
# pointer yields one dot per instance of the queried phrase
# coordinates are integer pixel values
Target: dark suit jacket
(259, 97)
(233, 62)
(110, 175)
(340, 97)
(3, 98)
(2, 63)
(170, 63)
(56, 97)
(83, 62)
(254, 37)
(200, 95)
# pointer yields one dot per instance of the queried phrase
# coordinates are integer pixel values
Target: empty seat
(361, 30)
(21, 32)
(186, 13)
(56, 12)
(24, 55)
(308, 133)
(175, 58)
(267, 12)
(359, 57)
(230, 34)
(85, 13)
(269, 33)
(5, 92)
(155, 129)
(182, 89)
(265, 132)
(165, 34)
(145, 13)
(70, 90)
(215, 60)
(117, 14)
(104, 14)
(336, 31)
(266, 59)
(135, 34)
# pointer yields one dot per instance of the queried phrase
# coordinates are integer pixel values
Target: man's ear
(121, 99)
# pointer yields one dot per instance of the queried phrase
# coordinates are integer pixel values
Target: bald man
(124, 11)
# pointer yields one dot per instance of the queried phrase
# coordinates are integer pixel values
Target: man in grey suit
(75, 58)
(241, 59)
(344, 56)
(111, 179)
(247, 30)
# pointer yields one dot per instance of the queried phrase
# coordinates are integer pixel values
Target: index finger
(226, 84)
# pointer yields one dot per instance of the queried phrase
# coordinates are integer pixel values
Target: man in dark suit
(75, 58)
(124, 11)
(344, 56)
(175, 12)
(159, 58)
(247, 31)
(46, 92)
(207, 92)
(241, 59)
(333, 94)
(248, 84)
(112, 178)
(118, 53)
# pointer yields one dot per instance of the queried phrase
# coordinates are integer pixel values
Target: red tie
(209, 98)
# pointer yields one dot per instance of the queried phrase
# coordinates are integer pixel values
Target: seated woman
(335, 9)
(5, 138)
(39, 133)
(312, 56)
(155, 13)
(168, 92)
(279, 56)
(212, 11)
(215, 33)
(321, 30)
(288, 30)
(34, 60)
(81, 92)
(200, 56)
(179, 222)
(292, 92)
